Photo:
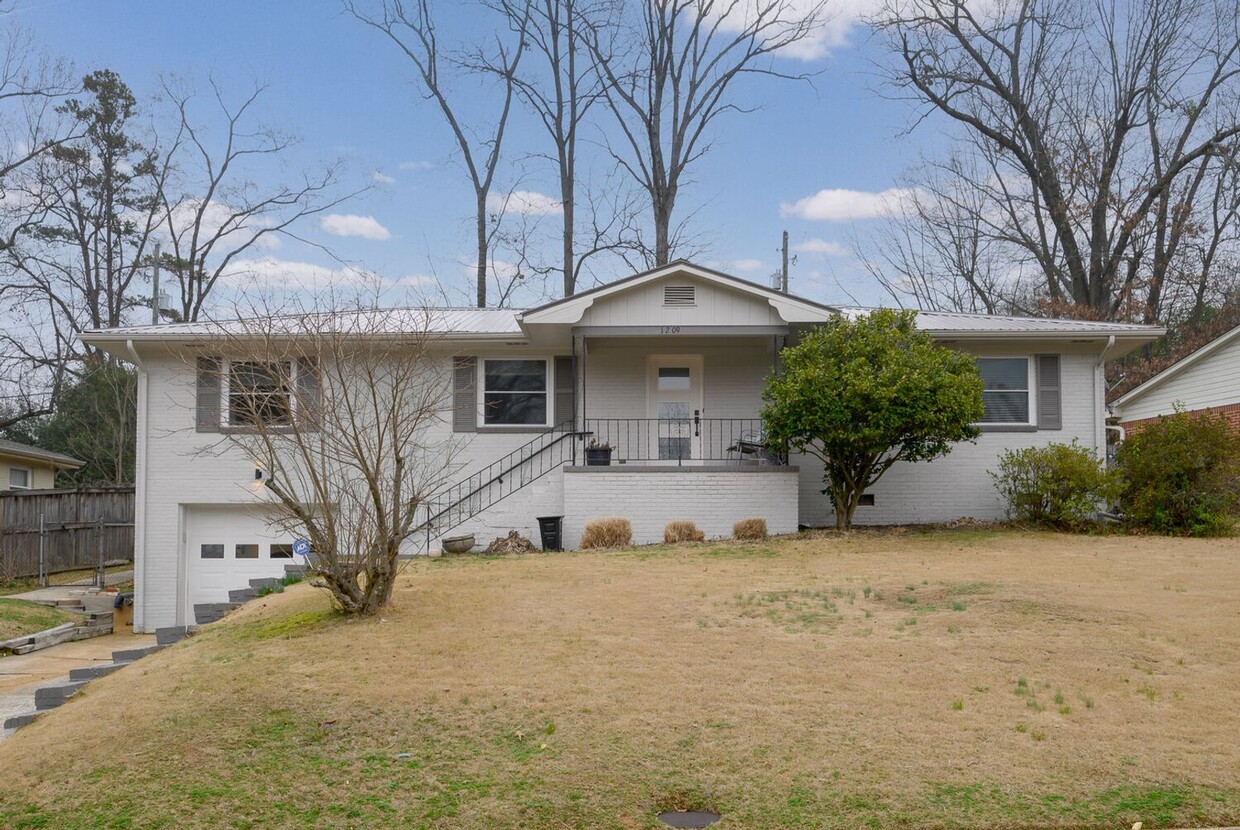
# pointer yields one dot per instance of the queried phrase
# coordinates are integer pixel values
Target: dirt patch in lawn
(968, 679)
(19, 618)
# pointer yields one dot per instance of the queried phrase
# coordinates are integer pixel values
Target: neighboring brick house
(1206, 382)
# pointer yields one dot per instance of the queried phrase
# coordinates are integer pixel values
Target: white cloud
(821, 246)
(220, 218)
(268, 272)
(379, 177)
(523, 201)
(842, 17)
(746, 265)
(348, 224)
(415, 165)
(840, 205)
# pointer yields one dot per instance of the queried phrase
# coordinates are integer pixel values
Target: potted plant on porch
(598, 453)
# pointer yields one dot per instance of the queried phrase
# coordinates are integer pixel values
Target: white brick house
(668, 366)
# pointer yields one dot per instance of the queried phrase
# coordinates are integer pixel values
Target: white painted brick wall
(650, 497)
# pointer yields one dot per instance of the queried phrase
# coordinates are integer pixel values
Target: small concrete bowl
(458, 544)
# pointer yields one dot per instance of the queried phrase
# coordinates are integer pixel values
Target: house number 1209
(669, 330)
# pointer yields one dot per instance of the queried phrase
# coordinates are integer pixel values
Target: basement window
(679, 295)
(866, 500)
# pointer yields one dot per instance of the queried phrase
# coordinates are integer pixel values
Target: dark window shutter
(309, 393)
(565, 392)
(207, 416)
(1050, 397)
(464, 394)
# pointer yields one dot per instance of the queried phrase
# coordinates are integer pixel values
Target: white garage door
(227, 546)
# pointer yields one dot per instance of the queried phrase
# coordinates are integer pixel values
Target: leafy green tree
(94, 421)
(864, 394)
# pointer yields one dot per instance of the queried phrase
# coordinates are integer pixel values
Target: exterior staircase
(460, 502)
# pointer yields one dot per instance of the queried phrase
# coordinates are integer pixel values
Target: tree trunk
(662, 233)
(566, 199)
(482, 249)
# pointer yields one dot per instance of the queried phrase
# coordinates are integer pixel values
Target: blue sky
(347, 93)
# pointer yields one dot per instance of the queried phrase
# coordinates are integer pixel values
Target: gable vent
(679, 295)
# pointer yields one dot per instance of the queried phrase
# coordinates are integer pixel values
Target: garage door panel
(227, 546)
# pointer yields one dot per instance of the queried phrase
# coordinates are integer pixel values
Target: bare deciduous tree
(342, 411)
(411, 27)
(213, 211)
(1102, 129)
(667, 69)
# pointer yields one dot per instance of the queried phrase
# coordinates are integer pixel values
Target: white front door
(674, 406)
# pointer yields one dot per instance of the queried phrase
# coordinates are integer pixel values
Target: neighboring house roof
(29, 453)
(1176, 369)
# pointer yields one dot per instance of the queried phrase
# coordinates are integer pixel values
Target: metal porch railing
(681, 441)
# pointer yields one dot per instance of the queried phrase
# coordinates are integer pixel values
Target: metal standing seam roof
(448, 321)
(465, 322)
(38, 454)
(952, 321)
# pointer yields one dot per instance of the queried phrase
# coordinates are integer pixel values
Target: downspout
(1100, 399)
(140, 489)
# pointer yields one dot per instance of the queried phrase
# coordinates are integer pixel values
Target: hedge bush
(1058, 485)
(1182, 475)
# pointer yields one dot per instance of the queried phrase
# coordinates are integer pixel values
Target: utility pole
(155, 285)
(783, 270)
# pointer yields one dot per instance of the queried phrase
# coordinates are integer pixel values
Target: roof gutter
(1102, 357)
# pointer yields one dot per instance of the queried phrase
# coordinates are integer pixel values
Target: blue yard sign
(301, 547)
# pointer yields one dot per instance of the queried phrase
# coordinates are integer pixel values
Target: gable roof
(570, 309)
(27, 452)
(1177, 368)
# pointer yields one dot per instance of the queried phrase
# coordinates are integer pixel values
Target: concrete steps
(209, 612)
(128, 655)
(49, 697)
(92, 672)
(241, 595)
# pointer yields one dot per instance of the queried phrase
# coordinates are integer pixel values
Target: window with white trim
(515, 392)
(258, 393)
(20, 478)
(1006, 389)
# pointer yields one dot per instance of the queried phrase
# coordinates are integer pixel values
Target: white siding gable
(712, 305)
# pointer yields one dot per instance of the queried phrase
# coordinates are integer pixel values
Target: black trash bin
(551, 530)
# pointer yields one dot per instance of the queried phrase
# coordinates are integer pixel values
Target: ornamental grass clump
(677, 532)
(749, 530)
(607, 533)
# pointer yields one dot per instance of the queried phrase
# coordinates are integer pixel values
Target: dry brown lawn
(948, 679)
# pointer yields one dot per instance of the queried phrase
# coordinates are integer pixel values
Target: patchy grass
(19, 618)
(784, 684)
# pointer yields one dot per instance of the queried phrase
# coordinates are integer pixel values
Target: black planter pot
(598, 456)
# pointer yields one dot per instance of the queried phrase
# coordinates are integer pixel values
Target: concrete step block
(265, 582)
(18, 721)
(168, 636)
(93, 672)
(295, 570)
(241, 595)
(49, 697)
(128, 655)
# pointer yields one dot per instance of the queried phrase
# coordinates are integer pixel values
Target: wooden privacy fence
(44, 532)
